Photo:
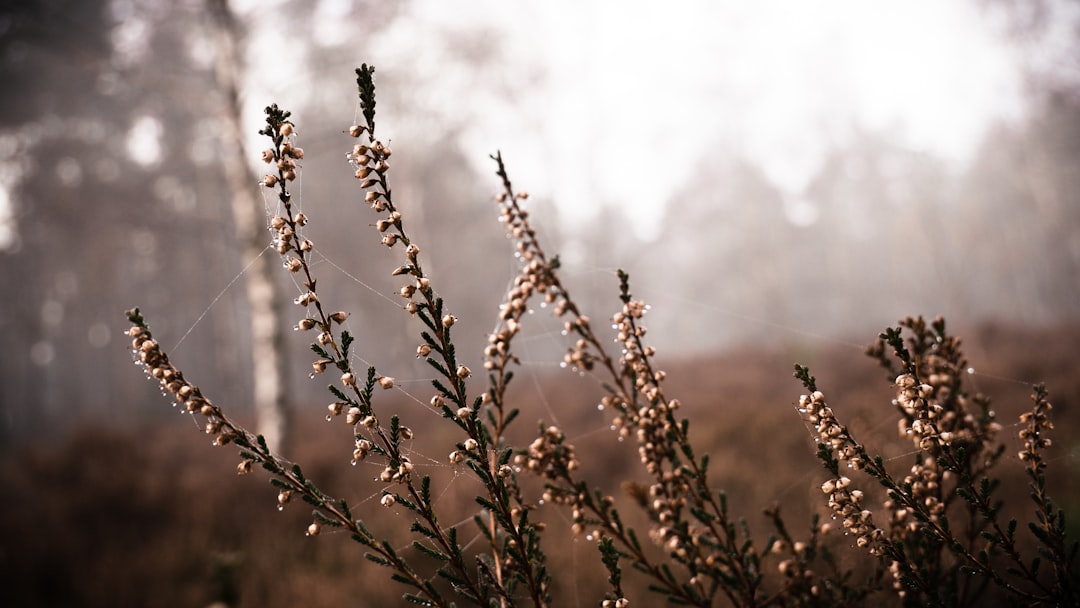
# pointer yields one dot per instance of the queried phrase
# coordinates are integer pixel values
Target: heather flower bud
(357, 130)
(388, 500)
(448, 321)
(339, 317)
(353, 416)
(348, 379)
(386, 382)
(422, 351)
(269, 181)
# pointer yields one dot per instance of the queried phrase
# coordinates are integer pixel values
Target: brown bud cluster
(155, 363)
(846, 503)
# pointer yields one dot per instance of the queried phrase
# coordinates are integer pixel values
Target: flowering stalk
(956, 447)
(689, 518)
(516, 554)
(286, 476)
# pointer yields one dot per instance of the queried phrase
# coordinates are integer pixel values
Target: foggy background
(768, 173)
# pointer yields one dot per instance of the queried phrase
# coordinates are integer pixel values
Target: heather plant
(945, 540)
(692, 549)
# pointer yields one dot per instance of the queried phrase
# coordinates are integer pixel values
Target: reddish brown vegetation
(155, 517)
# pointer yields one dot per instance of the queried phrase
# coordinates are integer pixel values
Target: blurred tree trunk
(267, 335)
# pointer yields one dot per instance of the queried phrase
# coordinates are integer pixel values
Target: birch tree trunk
(267, 333)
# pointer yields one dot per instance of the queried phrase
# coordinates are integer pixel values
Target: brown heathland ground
(156, 517)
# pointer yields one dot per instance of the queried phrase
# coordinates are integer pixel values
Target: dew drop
(329, 417)
(970, 370)
(282, 508)
(563, 332)
(562, 364)
(352, 462)
(600, 407)
(620, 439)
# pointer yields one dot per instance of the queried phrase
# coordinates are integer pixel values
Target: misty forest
(779, 183)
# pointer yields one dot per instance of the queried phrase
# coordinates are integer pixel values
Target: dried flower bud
(357, 130)
(313, 529)
(470, 444)
(348, 379)
(287, 129)
(448, 320)
(463, 372)
(422, 351)
(456, 457)
(244, 467)
(267, 155)
(353, 416)
(305, 324)
(269, 181)
(386, 382)
(339, 317)
(388, 500)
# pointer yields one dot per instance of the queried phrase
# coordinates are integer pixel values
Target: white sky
(631, 95)
(634, 94)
